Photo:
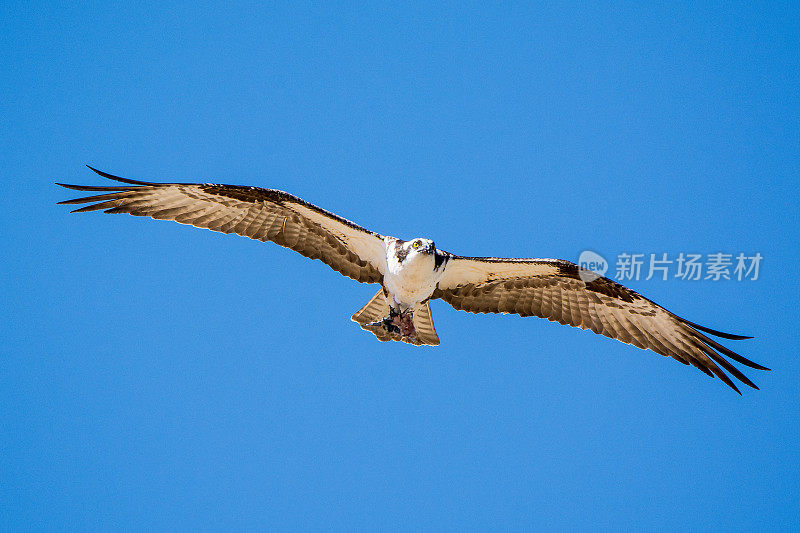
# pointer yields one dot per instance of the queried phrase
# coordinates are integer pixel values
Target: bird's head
(420, 246)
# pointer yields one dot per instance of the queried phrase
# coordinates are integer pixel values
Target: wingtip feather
(716, 333)
(118, 178)
(105, 175)
(70, 186)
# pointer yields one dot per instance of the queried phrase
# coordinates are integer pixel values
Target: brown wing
(557, 290)
(261, 214)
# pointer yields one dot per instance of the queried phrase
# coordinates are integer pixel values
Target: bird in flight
(412, 273)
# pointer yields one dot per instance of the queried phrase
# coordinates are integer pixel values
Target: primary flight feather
(413, 272)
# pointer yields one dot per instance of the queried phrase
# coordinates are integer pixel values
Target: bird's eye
(416, 244)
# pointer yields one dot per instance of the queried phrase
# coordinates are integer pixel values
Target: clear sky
(156, 376)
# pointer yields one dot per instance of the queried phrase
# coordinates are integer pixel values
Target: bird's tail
(423, 323)
(378, 308)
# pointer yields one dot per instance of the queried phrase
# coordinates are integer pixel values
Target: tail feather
(423, 323)
(378, 308)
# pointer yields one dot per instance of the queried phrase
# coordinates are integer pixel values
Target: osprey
(414, 272)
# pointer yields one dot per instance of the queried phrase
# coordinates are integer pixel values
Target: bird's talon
(386, 323)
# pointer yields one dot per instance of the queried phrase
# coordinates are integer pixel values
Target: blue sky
(156, 376)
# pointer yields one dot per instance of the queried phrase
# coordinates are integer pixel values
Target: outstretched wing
(562, 292)
(261, 214)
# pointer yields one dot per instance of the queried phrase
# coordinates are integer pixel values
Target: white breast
(411, 281)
